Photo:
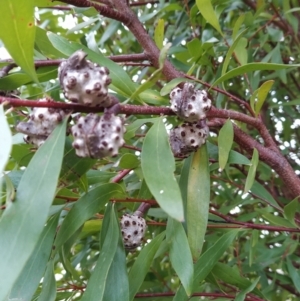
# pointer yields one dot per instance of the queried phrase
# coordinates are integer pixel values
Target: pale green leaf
(158, 167)
(6, 138)
(252, 67)
(48, 292)
(18, 32)
(159, 33)
(207, 11)
(35, 267)
(20, 225)
(225, 140)
(262, 93)
(252, 171)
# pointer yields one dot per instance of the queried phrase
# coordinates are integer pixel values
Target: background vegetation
(229, 227)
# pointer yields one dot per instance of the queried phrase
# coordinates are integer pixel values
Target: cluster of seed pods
(191, 106)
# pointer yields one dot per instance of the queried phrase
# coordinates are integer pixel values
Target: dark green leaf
(96, 285)
(142, 264)
(89, 204)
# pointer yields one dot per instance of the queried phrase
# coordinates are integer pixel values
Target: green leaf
(134, 126)
(241, 51)
(20, 224)
(252, 171)
(97, 282)
(225, 140)
(198, 197)
(207, 11)
(89, 204)
(117, 276)
(48, 292)
(242, 295)
(163, 55)
(258, 190)
(231, 275)
(34, 269)
(230, 51)
(6, 138)
(291, 209)
(277, 220)
(252, 67)
(293, 273)
(180, 254)
(237, 26)
(211, 256)
(262, 94)
(158, 167)
(159, 33)
(171, 85)
(207, 261)
(18, 32)
(129, 161)
(142, 264)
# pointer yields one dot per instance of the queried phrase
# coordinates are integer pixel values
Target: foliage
(223, 223)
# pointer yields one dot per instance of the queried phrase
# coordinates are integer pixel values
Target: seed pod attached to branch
(42, 122)
(98, 137)
(187, 138)
(83, 81)
(189, 104)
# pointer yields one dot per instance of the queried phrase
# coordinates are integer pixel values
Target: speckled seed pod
(98, 137)
(189, 103)
(133, 229)
(84, 82)
(42, 122)
(187, 138)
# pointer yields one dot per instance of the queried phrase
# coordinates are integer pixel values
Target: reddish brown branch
(120, 175)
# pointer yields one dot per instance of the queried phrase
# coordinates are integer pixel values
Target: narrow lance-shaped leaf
(159, 33)
(250, 68)
(89, 204)
(262, 94)
(252, 171)
(242, 295)
(18, 32)
(96, 285)
(6, 142)
(291, 209)
(20, 225)
(142, 264)
(35, 267)
(158, 167)
(198, 197)
(225, 140)
(180, 254)
(48, 292)
(207, 11)
(117, 275)
(206, 262)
